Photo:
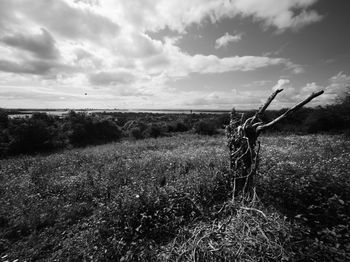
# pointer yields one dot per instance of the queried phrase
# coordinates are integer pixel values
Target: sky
(172, 54)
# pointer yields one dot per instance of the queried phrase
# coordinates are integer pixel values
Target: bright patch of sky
(194, 54)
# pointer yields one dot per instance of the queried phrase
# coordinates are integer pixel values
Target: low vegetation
(169, 199)
(153, 195)
(48, 133)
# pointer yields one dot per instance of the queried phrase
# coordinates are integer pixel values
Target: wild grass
(168, 199)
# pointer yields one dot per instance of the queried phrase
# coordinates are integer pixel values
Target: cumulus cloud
(280, 14)
(111, 78)
(107, 44)
(35, 67)
(338, 87)
(136, 44)
(68, 19)
(281, 84)
(224, 40)
(222, 99)
(159, 14)
(310, 88)
(288, 95)
(41, 45)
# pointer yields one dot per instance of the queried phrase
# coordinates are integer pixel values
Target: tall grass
(169, 199)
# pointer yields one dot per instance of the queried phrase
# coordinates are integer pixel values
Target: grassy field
(168, 199)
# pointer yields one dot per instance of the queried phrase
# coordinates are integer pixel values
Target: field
(168, 199)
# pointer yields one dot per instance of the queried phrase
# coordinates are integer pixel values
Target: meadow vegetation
(170, 199)
(157, 187)
(48, 133)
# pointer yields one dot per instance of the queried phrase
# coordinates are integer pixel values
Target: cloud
(72, 45)
(224, 40)
(281, 84)
(221, 99)
(282, 14)
(78, 21)
(213, 64)
(259, 83)
(35, 67)
(137, 45)
(337, 88)
(66, 18)
(33, 95)
(302, 19)
(111, 78)
(310, 88)
(158, 14)
(41, 45)
(174, 63)
(289, 92)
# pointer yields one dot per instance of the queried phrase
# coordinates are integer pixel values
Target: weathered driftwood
(242, 135)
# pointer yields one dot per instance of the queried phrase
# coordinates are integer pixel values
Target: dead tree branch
(288, 112)
(267, 103)
(242, 135)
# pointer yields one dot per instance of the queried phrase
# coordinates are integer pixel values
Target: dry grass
(168, 199)
(245, 233)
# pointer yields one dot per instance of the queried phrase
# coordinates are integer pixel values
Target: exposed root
(247, 234)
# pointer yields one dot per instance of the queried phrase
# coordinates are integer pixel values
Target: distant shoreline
(31, 110)
(13, 113)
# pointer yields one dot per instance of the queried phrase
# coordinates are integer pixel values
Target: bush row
(42, 132)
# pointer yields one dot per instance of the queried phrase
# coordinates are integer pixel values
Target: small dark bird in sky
(86, 94)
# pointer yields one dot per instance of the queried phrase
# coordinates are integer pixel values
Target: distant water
(64, 112)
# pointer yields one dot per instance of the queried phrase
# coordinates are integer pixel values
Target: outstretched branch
(268, 102)
(242, 138)
(262, 109)
(288, 112)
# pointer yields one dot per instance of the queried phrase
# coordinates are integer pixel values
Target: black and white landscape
(174, 130)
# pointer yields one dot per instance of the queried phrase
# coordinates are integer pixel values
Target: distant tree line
(42, 132)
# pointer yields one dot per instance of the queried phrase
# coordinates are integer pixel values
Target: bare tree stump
(242, 139)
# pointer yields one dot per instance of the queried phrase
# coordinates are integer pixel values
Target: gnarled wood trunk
(242, 140)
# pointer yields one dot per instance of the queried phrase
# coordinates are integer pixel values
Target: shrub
(181, 127)
(152, 131)
(29, 136)
(135, 133)
(177, 126)
(134, 124)
(82, 129)
(3, 119)
(222, 120)
(205, 128)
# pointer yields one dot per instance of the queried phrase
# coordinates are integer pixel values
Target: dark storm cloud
(40, 45)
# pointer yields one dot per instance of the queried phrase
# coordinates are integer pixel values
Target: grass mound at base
(244, 234)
